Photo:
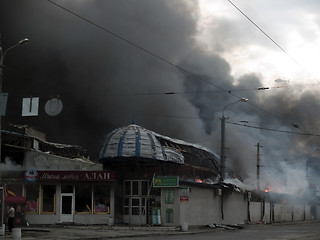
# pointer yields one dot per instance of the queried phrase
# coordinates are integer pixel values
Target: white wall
(256, 212)
(204, 207)
(283, 212)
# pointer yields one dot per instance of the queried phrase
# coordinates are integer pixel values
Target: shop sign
(184, 198)
(87, 176)
(166, 181)
(31, 175)
(169, 196)
(184, 194)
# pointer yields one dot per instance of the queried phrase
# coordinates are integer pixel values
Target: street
(306, 231)
(281, 231)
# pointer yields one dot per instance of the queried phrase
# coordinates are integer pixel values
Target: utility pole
(3, 53)
(222, 152)
(258, 166)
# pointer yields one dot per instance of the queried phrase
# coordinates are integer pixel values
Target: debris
(211, 225)
(227, 227)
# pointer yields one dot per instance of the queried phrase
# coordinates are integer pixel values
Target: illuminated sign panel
(166, 181)
(65, 176)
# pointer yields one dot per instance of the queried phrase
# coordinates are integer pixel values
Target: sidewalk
(90, 232)
(86, 232)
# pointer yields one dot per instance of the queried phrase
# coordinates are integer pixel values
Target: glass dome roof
(132, 141)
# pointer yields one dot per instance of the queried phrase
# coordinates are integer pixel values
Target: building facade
(142, 178)
(51, 183)
(169, 182)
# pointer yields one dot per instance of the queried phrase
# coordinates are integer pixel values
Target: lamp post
(222, 153)
(3, 53)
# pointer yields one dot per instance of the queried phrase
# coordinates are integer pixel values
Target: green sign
(169, 196)
(166, 181)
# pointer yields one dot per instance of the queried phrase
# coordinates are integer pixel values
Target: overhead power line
(167, 61)
(272, 40)
(274, 130)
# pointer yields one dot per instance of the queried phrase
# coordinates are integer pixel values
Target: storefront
(83, 197)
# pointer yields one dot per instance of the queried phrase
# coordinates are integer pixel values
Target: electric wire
(274, 130)
(272, 40)
(173, 64)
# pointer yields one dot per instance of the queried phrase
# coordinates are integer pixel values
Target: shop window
(48, 197)
(32, 199)
(13, 190)
(101, 199)
(135, 187)
(83, 198)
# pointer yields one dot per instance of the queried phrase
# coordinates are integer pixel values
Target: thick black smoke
(103, 82)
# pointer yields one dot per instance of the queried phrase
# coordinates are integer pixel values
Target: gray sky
(103, 81)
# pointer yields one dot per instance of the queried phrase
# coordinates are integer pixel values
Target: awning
(15, 199)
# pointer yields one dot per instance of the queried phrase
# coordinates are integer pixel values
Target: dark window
(48, 198)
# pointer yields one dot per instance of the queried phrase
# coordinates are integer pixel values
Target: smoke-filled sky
(112, 60)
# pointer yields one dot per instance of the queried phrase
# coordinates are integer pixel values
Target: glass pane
(66, 204)
(135, 187)
(32, 195)
(143, 212)
(67, 188)
(135, 211)
(144, 187)
(135, 202)
(127, 188)
(48, 198)
(83, 198)
(101, 199)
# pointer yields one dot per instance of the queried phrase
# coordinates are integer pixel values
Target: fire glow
(267, 189)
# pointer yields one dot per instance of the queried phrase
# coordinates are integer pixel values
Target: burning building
(160, 180)
(143, 178)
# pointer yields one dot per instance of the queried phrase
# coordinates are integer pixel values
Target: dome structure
(132, 141)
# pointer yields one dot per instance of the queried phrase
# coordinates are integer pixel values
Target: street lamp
(222, 154)
(2, 55)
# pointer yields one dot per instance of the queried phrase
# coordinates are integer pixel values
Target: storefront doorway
(134, 202)
(67, 203)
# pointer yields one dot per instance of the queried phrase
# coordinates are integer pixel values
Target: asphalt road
(292, 231)
(305, 231)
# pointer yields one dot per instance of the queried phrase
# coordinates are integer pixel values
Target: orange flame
(267, 189)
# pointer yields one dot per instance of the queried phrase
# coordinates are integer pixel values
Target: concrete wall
(235, 208)
(298, 212)
(174, 206)
(308, 213)
(282, 212)
(42, 218)
(317, 217)
(256, 212)
(78, 218)
(202, 206)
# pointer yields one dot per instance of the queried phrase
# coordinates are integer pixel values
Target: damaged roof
(136, 142)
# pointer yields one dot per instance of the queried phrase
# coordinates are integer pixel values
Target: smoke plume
(104, 81)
